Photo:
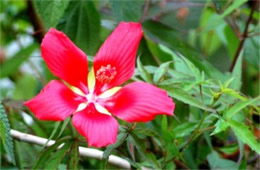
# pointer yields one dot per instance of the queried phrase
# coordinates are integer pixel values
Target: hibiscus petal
(99, 129)
(55, 102)
(139, 102)
(119, 52)
(64, 59)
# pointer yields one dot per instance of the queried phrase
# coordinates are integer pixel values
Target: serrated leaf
(11, 65)
(83, 25)
(185, 97)
(143, 72)
(244, 134)
(145, 131)
(161, 71)
(221, 125)
(56, 158)
(6, 134)
(50, 11)
(172, 39)
(120, 139)
(228, 114)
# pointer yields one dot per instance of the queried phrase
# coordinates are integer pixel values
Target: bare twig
(244, 36)
(86, 152)
(36, 21)
(146, 9)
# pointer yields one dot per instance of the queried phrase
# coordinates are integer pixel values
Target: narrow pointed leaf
(144, 74)
(238, 107)
(185, 97)
(160, 72)
(244, 134)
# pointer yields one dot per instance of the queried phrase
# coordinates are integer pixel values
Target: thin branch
(254, 34)
(244, 36)
(86, 152)
(146, 9)
(37, 24)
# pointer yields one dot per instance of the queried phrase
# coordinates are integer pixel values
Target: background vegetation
(205, 53)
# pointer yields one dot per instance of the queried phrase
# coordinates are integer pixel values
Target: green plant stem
(197, 130)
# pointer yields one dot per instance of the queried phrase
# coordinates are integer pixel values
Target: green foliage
(6, 134)
(244, 134)
(216, 162)
(10, 66)
(186, 50)
(183, 96)
(120, 139)
(127, 10)
(47, 158)
(143, 72)
(51, 11)
(74, 156)
(162, 70)
(82, 25)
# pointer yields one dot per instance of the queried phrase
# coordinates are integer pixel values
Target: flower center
(91, 98)
(106, 74)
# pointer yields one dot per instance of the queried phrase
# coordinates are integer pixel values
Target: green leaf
(144, 74)
(193, 69)
(160, 72)
(216, 162)
(83, 25)
(57, 157)
(232, 7)
(218, 19)
(244, 134)
(221, 125)
(164, 123)
(145, 132)
(237, 73)
(27, 82)
(45, 155)
(120, 139)
(232, 41)
(127, 10)
(228, 114)
(184, 129)
(230, 149)
(156, 51)
(5, 134)
(171, 38)
(209, 40)
(57, 125)
(74, 156)
(64, 125)
(11, 65)
(183, 96)
(51, 11)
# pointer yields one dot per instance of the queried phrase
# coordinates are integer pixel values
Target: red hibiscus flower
(93, 99)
